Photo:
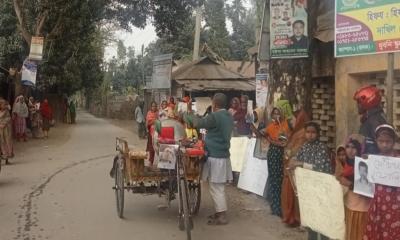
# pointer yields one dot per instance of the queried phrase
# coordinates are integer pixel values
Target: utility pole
(389, 88)
(196, 46)
(143, 77)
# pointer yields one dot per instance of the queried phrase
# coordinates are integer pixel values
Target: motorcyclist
(372, 115)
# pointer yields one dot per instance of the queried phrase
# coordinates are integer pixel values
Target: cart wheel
(119, 187)
(185, 214)
(194, 197)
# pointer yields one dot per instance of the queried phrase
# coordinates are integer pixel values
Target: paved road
(60, 189)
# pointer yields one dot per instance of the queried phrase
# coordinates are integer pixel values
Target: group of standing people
(294, 142)
(15, 121)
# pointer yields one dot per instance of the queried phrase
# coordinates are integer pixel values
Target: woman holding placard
(356, 206)
(383, 221)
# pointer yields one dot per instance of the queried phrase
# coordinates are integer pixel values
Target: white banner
(261, 89)
(254, 175)
(321, 203)
(238, 152)
(36, 51)
(162, 69)
(29, 72)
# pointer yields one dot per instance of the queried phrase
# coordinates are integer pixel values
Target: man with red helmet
(372, 115)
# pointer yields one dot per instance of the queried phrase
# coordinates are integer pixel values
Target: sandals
(217, 221)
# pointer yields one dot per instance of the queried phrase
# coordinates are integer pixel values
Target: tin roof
(206, 74)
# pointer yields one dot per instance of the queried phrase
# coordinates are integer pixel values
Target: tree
(243, 29)
(121, 51)
(217, 34)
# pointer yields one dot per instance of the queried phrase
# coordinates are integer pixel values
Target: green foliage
(243, 26)
(217, 34)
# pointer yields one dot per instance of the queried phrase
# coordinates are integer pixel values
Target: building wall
(351, 74)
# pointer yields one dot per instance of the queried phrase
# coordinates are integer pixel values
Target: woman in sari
(47, 115)
(6, 142)
(235, 106)
(151, 117)
(313, 155)
(289, 201)
(277, 134)
(20, 113)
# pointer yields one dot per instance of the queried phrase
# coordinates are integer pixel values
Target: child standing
(356, 206)
(383, 221)
(313, 155)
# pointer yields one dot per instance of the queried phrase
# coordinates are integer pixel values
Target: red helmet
(368, 97)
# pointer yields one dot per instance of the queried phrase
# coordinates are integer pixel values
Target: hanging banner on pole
(261, 89)
(36, 52)
(289, 37)
(162, 69)
(29, 71)
(366, 27)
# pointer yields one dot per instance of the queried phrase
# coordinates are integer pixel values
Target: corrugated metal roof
(247, 68)
(205, 69)
(217, 85)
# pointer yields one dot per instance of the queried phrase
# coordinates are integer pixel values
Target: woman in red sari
(384, 213)
(289, 201)
(47, 115)
(151, 117)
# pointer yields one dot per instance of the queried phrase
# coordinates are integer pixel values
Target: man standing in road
(140, 120)
(217, 169)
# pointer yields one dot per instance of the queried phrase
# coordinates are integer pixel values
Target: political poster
(162, 69)
(29, 72)
(321, 203)
(261, 89)
(289, 28)
(36, 51)
(254, 174)
(367, 27)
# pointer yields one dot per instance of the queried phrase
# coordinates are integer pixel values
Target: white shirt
(139, 115)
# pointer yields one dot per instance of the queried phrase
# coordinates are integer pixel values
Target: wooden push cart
(130, 174)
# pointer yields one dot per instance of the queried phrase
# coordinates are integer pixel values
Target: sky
(144, 36)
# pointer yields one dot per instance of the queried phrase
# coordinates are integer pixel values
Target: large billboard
(162, 69)
(289, 35)
(367, 27)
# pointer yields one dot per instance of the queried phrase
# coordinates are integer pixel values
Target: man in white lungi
(217, 169)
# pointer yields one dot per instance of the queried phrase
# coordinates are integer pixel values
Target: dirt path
(60, 189)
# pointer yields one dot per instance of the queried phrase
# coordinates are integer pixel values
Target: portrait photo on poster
(167, 156)
(362, 179)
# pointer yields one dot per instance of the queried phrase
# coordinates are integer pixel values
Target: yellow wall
(349, 78)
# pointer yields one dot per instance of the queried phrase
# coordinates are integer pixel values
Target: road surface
(60, 189)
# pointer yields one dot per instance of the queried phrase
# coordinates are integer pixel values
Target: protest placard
(362, 178)
(254, 174)
(321, 203)
(384, 170)
(238, 152)
(201, 104)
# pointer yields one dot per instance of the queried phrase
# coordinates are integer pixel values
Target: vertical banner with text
(162, 69)
(36, 51)
(367, 27)
(289, 35)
